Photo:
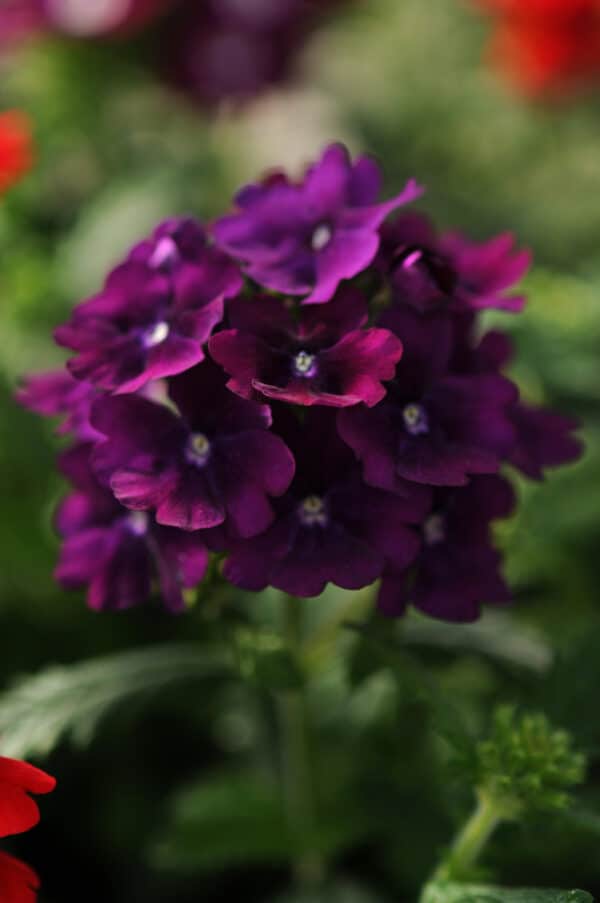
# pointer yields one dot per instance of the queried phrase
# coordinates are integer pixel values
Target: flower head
(312, 432)
(155, 312)
(304, 239)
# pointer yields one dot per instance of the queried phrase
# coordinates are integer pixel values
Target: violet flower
(324, 357)
(213, 460)
(458, 568)
(329, 526)
(544, 439)
(56, 393)
(430, 272)
(433, 427)
(305, 238)
(155, 313)
(119, 554)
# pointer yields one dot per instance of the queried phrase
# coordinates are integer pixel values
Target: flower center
(137, 522)
(313, 511)
(415, 419)
(198, 449)
(320, 237)
(165, 254)
(434, 529)
(305, 364)
(156, 334)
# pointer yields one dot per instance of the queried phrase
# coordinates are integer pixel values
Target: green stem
(296, 763)
(470, 842)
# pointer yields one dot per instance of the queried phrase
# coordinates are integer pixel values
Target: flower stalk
(296, 759)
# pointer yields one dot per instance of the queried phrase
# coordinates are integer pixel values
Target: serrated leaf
(448, 892)
(38, 711)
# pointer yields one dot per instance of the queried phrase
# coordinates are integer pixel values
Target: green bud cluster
(526, 765)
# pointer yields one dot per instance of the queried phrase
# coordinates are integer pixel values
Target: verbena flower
(357, 438)
(324, 356)
(213, 459)
(458, 567)
(329, 526)
(304, 238)
(155, 313)
(120, 554)
(431, 271)
(19, 813)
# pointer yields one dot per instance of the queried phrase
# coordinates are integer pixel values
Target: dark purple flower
(116, 553)
(457, 569)
(543, 440)
(329, 526)
(155, 313)
(213, 461)
(322, 357)
(430, 272)
(304, 239)
(57, 393)
(233, 49)
(433, 426)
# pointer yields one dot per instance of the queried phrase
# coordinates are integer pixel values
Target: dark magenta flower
(305, 238)
(329, 526)
(155, 312)
(458, 568)
(233, 49)
(430, 272)
(323, 356)
(56, 393)
(544, 439)
(213, 460)
(119, 554)
(433, 426)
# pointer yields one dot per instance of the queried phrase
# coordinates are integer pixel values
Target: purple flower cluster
(214, 50)
(303, 388)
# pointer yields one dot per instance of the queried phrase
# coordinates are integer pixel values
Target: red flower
(547, 47)
(18, 813)
(16, 148)
(18, 883)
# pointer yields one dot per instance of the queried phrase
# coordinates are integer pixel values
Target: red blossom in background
(18, 813)
(546, 47)
(16, 148)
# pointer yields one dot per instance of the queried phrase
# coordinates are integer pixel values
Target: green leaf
(448, 892)
(225, 820)
(38, 711)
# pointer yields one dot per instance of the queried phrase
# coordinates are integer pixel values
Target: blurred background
(170, 795)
